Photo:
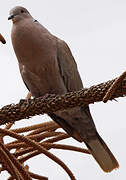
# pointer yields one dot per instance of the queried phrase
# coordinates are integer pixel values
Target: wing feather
(68, 67)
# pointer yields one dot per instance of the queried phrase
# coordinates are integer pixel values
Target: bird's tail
(102, 154)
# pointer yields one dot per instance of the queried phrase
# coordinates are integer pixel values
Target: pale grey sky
(96, 34)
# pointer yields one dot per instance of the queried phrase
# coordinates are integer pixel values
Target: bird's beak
(10, 17)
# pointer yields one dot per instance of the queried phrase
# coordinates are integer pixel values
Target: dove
(47, 66)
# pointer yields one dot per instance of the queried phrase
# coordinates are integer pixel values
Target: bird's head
(18, 13)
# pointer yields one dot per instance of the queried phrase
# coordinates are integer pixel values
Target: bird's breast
(36, 50)
(32, 42)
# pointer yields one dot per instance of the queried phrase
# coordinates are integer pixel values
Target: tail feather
(102, 154)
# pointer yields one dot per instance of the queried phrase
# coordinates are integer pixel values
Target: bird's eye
(22, 11)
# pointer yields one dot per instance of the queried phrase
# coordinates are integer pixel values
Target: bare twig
(114, 87)
(49, 146)
(45, 125)
(12, 168)
(40, 148)
(38, 177)
(2, 39)
(16, 163)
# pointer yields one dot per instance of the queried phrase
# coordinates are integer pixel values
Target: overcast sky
(96, 34)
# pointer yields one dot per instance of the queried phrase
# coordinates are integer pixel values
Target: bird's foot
(28, 96)
(26, 100)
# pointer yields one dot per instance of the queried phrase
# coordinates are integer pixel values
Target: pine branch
(28, 108)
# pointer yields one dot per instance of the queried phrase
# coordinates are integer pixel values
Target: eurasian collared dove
(48, 67)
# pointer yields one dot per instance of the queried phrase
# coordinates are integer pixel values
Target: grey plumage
(47, 66)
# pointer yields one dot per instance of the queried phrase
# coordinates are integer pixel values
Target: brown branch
(113, 87)
(45, 126)
(2, 39)
(40, 148)
(24, 174)
(48, 146)
(37, 138)
(8, 163)
(38, 177)
(65, 147)
(28, 108)
(17, 144)
(57, 138)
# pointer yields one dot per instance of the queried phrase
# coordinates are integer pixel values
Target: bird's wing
(74, 120)
(68, 67)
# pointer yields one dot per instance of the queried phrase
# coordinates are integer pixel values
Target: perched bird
(2, 39)
(47, 67)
